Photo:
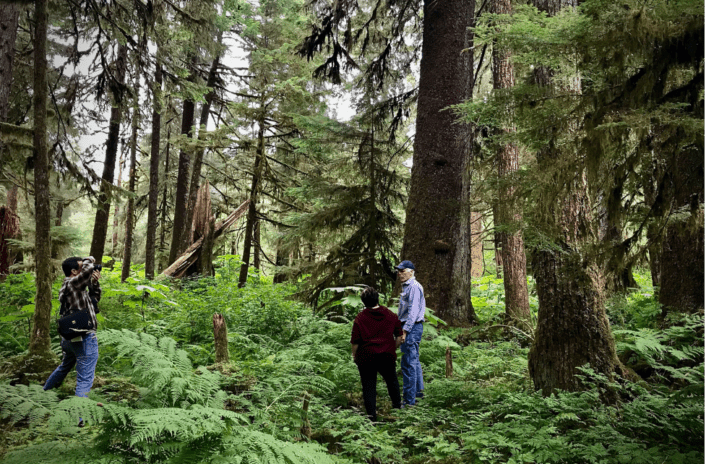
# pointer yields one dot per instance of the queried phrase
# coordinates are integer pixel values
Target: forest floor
(291, 392)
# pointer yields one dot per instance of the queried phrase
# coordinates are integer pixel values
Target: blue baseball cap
(406, 264)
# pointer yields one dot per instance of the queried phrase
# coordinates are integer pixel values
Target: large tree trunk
(572, 326)
(9, 220)
(198, 158)
(130, 213)
(252, 208)
(181, 200)
(682, 260)
(9, 20)
(512, 245)
(40, 338)
(100, 227)
(437, 229)
(153, 196)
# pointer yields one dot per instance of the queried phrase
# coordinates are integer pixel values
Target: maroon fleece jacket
(375, 330)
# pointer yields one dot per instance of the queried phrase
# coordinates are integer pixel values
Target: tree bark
(153, 196)
(252, 208)
(130, 213)
(9, 20)
(476, 244)
(280, 261)
(9, 229)
(55, 249)
(116, 210)
(181, 199)
(162, 233)
(9, 220)
(437, 229)
(198, 158)
(512, 245)
(100, 226)
(682, 260)
(40, 338)
(220, 338)
(572, 326)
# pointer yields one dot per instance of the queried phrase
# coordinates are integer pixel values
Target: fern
(21, 402)
(164, 370)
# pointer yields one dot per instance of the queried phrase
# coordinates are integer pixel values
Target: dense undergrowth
(292, 393)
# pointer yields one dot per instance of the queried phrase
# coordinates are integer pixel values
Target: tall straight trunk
(654, 232)
(39, 341)
(437, 229)
(9, 220)
(181, 199)
(153, 196)
(9, 20)
(100, 226)
(116, 209)
(512, 245)
(198, 157)
(256, 261)
(572, 326)
(130, 213)
(497, 243)
(162, 246)
(55, 249)
(682, 260)
(252, 207)
(476, 244)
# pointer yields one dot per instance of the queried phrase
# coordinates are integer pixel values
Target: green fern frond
(23, 402)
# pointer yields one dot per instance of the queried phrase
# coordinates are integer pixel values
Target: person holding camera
(80, 292)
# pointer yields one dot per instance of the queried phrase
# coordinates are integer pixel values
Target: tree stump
(220, 338)
(449, 363)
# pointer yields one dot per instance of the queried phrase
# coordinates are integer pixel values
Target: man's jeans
(412, 380)
(83, 355)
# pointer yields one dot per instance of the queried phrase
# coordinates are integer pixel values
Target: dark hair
(370, 297)
(70, 264)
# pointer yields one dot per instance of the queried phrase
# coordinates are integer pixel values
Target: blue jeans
(83, 355)
(412, 379)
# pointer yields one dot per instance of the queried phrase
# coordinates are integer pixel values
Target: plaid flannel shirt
(73, 294)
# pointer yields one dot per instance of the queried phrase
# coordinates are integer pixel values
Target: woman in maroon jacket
(377, 332)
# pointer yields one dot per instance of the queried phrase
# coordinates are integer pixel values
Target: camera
(98, 267)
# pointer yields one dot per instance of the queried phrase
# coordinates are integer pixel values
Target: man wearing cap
(411, 315)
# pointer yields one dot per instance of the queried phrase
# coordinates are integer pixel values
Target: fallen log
(182, 264)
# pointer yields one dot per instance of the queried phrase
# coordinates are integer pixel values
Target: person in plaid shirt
(80, 290)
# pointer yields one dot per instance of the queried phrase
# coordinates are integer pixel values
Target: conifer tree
(40, 339)
(517, 311)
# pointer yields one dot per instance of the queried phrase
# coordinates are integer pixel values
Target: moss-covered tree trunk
(40, 337)
(572, 326)
(512, 251)
(153, 195)
(682, 260)
(100, 226)
(9, 220)
(437, 228)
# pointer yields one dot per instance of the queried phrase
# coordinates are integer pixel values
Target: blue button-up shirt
(412, 304)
